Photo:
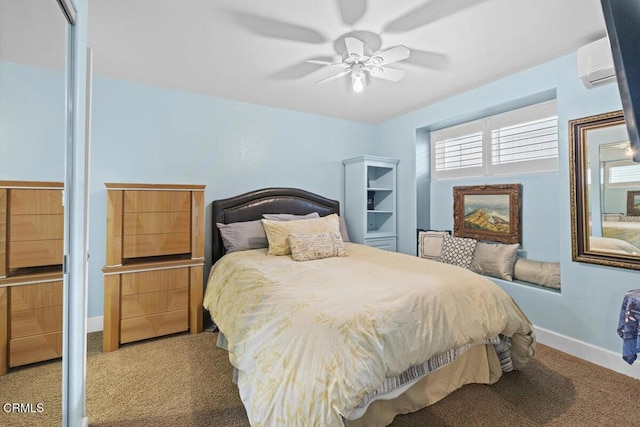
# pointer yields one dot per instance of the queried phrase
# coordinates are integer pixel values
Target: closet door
(43, 139)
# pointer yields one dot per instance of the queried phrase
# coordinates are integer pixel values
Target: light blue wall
(143, 134)
(32, 140)
(587, 308)
(150, 135)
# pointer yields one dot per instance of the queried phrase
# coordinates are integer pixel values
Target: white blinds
(523, 140)
(526, 141)
(458, 153)
(624, 173)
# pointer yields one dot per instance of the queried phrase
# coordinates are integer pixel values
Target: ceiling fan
(358, 64)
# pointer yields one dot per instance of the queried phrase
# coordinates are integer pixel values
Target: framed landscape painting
(488, 212)
(633, 203)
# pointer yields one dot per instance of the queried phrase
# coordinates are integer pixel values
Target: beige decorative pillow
(306, 247)
(539, 272)
(430, 244)
(278, 231)
(495, 259)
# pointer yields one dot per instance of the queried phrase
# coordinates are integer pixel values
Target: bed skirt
(478, 365)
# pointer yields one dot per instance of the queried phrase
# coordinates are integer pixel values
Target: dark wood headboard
(250, 206)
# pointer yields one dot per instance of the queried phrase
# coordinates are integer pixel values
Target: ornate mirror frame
(581, 249)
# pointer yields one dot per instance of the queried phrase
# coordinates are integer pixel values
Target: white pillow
(430, 244)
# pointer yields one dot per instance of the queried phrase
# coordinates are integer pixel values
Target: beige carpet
(185, 380)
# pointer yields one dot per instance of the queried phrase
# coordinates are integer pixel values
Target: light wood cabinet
(153, 278)
(31, 286)
(370, 200)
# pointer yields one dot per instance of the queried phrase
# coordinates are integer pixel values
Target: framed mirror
(605, 192)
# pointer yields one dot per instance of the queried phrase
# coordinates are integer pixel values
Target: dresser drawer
(144, 245)
(157, 201)
(139, 328)
(35, 253)
(136, 223)
(36, 322)
(154, 302)
(36, 227)
(29, 297)
(35, 201)
(156, 280)
(35, 349)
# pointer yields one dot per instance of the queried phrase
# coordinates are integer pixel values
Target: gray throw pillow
(344, 232)
(495, 259)
(289, 217)
(241, 236)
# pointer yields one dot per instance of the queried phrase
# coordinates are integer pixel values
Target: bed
(628, 231)
(351, 340)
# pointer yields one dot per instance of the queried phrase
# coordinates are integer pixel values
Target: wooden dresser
(153, 277)
(31, 253)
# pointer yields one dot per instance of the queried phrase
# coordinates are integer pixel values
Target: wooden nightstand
(153, 277)
(31, 251)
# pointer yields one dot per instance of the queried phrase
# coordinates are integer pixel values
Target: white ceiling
(255, 50)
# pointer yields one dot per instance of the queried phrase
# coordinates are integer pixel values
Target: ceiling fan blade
(389, 56)
(425, 59)
(431, 11)
(320, 62)
(386, 73)
(296, 71)
(352, 10)
(277, 29)
(355, 47)
(335, 76)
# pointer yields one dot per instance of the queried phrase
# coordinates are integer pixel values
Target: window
(623, 173)
(523, 140)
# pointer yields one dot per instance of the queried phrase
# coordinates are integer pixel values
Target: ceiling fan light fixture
(357, 78)
(358, 84)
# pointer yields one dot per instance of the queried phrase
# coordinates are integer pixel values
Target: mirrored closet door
(33, 120)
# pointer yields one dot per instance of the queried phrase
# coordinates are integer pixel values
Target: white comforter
(311, 339)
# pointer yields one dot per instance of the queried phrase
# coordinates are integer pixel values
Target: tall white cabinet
(370, 200)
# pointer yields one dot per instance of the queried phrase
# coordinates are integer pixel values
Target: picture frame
(488, 212)
(633, 203)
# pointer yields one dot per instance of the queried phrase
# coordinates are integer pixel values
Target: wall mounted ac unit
(595, 63)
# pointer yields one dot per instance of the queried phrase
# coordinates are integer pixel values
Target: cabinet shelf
(370, 200)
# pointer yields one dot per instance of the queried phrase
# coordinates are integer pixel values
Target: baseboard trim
(598, 355)
(589, 352)
(94, 324)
